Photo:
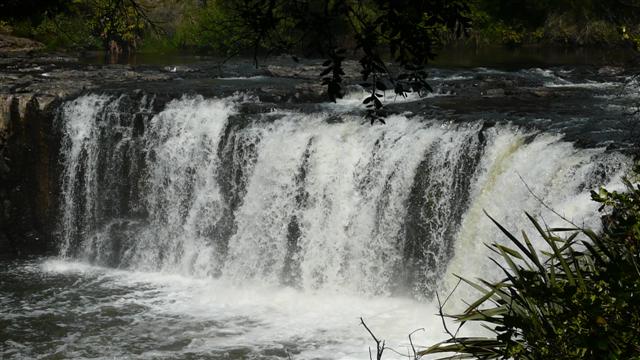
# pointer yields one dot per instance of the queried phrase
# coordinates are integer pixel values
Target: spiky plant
(580, 300)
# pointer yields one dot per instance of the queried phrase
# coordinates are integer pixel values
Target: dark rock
(12, 44)
(610, 71)
(494, 93)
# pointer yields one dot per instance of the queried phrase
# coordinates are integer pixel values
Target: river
(199, 227)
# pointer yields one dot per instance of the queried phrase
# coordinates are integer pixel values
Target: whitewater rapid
(295, 199)
(151, 315)
(208, 230)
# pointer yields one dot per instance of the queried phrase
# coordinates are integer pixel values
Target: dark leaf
(428, 87)
(381, 86)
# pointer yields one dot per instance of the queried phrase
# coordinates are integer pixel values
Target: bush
(566, 29)
(580, 300)
(65, 31)
(5, 28)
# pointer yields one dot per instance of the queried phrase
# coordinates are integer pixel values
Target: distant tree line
(116, 26)
(567, 22)
(219, 26)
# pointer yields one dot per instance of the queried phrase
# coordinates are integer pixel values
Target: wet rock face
(28, 146)
(27, 179)
(33, 85)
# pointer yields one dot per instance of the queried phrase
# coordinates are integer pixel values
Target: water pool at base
(55, 309)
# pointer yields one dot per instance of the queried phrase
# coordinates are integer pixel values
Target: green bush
(566, 29)
(580, 300)
(65, 31)
(205, 29)
(5, 27)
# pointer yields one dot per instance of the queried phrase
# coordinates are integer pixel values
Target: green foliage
(566, 22)
(409, 32)
(215, 26)
(631, 36)
(529, 14)
(64, 31)
(113, 25)
(229, 27)
(111, 21)
(32, 10)
(564, 29)
(119, 24)
(5, 27)
(581, 300)
(412, 32)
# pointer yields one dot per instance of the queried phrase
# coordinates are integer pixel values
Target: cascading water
(286, 198)
(202, 228)
(230, 228)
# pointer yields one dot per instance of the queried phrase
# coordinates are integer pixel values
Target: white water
(170, 316)
(353, 97)
(556, 172)
(220, 210)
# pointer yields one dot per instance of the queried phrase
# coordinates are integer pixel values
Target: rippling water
(54, 309)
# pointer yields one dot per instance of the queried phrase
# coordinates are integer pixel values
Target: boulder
(610, 71)
(13, 44)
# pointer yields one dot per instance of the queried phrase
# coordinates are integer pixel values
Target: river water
(193, 228)
(60, 310)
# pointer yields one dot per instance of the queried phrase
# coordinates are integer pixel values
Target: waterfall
(204, 189)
